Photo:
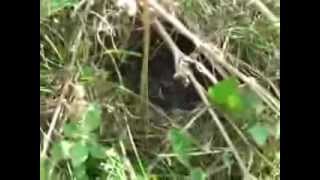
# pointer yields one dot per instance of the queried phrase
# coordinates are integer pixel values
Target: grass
(88, 107)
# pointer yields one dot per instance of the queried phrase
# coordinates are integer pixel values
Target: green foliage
(72, 130)
(43, 169)
(240, 103)
(223, 90)
(49, 7)
(87, 75)
(92, 118)
(227, 95)
(198, 174)
(227, 159)
(61, 150)
(80, 172)
(80, 144)
(59, 4)
(97, 151)
(181, 145)
(79, 154)
(259, 133)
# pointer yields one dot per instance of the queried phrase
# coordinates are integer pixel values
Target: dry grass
(88, 44)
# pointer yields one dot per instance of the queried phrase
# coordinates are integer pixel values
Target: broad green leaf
(79, 154)
(235, 103)
(97, 151)
(241, 103)
(198, 174)
(181, 145)
(61, 150)
(80, 172)
(259, 133)
(227, 94)
(92, 118)
(220, 92)
(72, 130)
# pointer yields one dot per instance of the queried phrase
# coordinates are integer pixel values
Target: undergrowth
(90, 127)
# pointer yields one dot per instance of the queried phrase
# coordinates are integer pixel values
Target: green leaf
(60, 4)
(251, 101)
(97, 151)
(259, 133)
(92, 118)
(242, 103)
(181, 145)
(43, 169)
(227, 94)
(235, 102)
(220, 92)
(61, 150)
(87, 74)
(198, 174)
(80, 172)
(79, 154)
(72, 130)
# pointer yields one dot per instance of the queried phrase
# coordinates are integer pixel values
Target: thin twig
(187, 73)
(135, 149)
(199, 153)
(179, 56)
(220, 126)
(54, 120)
(211, 52)
(190, 123)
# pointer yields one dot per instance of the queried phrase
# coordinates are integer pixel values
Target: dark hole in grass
(164, 90)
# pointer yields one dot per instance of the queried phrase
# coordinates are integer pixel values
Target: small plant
(80, 147)
(241, 104)
(182, 145)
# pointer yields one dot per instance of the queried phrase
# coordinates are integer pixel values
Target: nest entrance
(164, 90)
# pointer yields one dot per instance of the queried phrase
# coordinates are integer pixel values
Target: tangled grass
(84, 45)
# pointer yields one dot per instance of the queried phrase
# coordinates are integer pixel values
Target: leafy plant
(240, 103)
(198, 174)
(259, 133)
(181, 145)
(227, 95)
(80, 143)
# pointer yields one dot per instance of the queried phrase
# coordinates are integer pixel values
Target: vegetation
(185, 89)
